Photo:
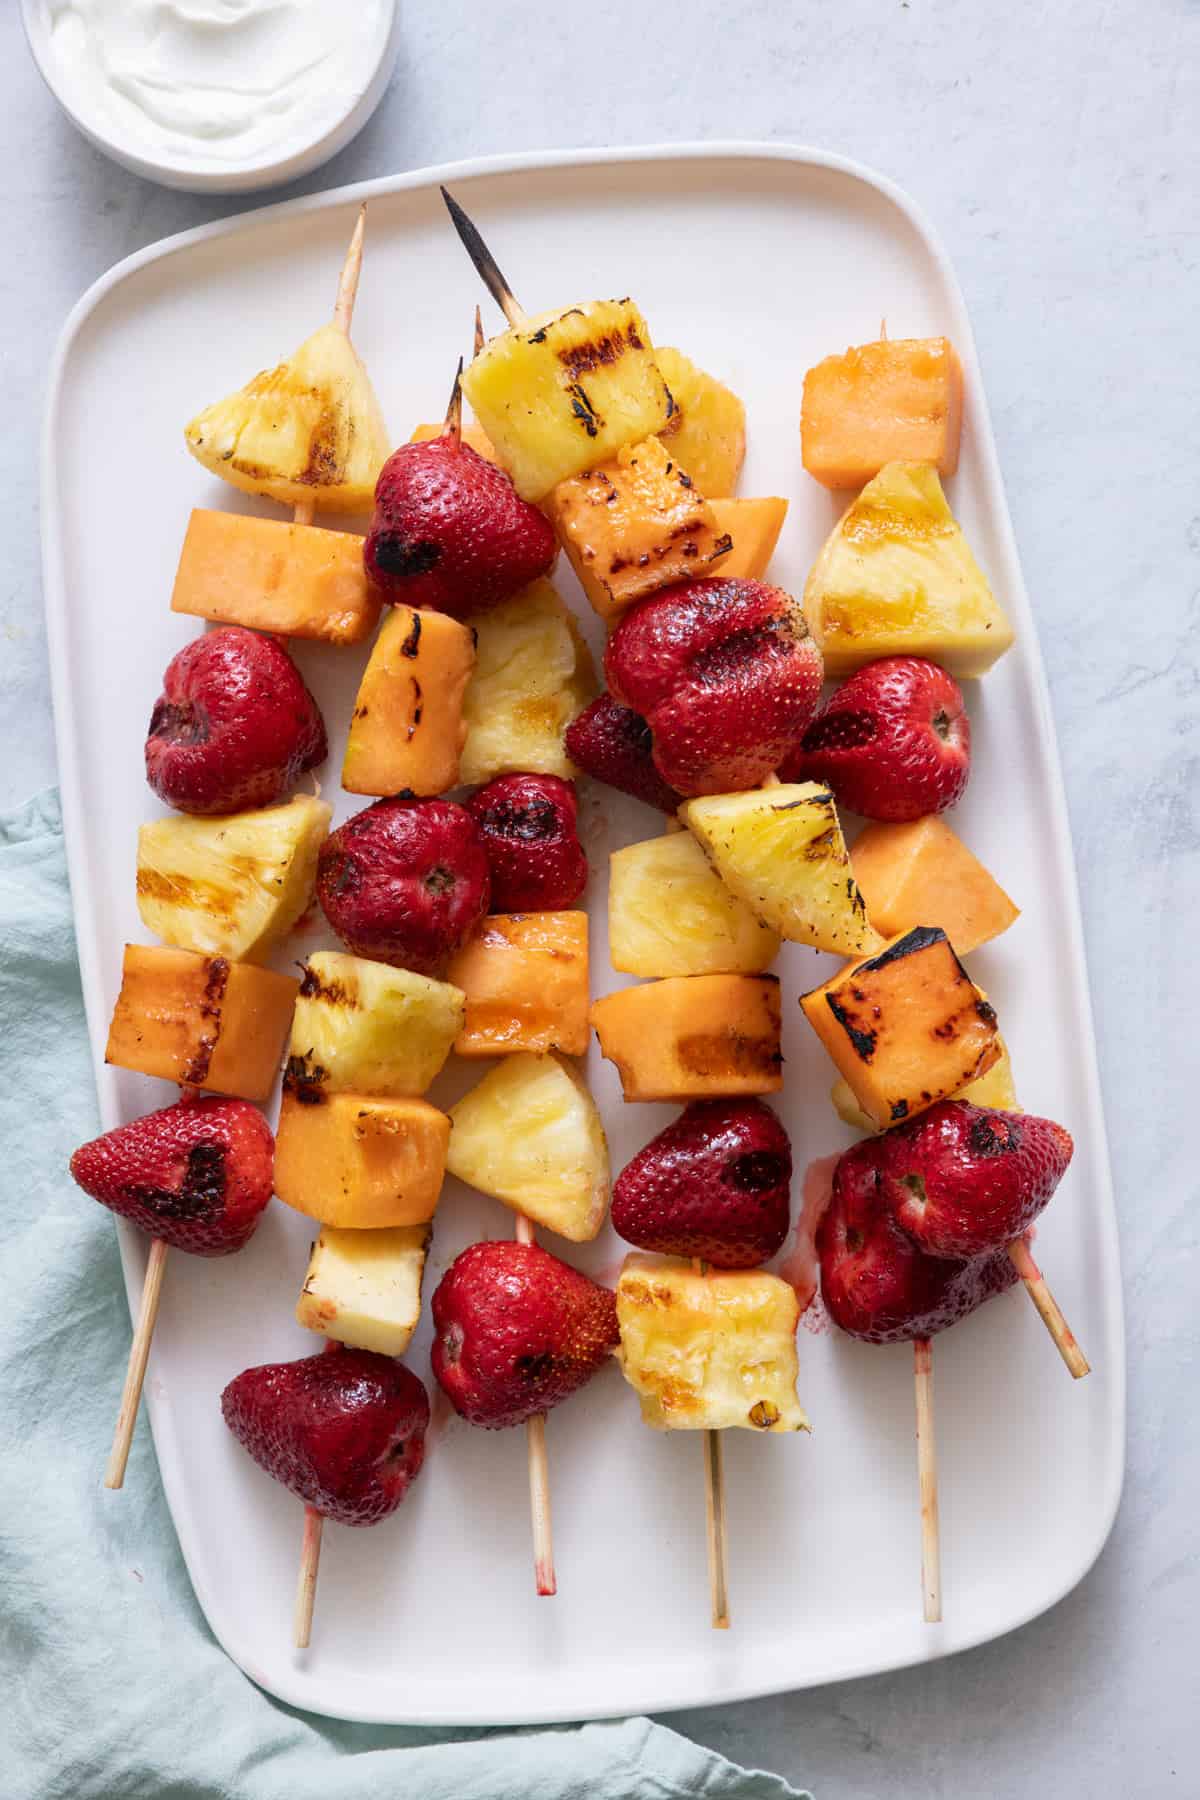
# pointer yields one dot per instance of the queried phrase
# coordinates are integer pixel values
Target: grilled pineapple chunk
(362, 1027)
(708, 1351)
(897, 578)
(993, 1088)
(563, 391)
(781, 850)
(230, 886)
(309, 429)
(669, 913)
(706, 432)
(529, 1134)
(364, 1287)
(634, 525)
(533, 673)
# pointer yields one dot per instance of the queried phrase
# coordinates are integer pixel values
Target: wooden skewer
(1048, 1308)
(714, 1509)
(303, 514)
(135, 1374)
(479, 337)
(306, 1585)
(931, 1550)
(486, 266)
(454, 410)
(539, 1475)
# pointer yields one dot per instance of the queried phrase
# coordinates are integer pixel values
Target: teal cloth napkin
(114, 1688)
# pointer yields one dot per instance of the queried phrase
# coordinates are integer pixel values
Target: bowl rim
(233, 177)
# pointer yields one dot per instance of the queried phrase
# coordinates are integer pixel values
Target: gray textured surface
(1055, 149)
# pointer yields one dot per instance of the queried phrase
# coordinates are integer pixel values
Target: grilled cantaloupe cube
(564, 391)
(203, 1021)
(754, 526)
(899, 399)
(693, 1036)
(524, 977)
(529, 1134)
(634, 525)
(362, 1027)
(533, 673)
(364, 1287)
(897, 578)
(708, 1351)
(906, 1027)
(358, 1161)
(273, 575)
(407, 729)
(706, 432)
(230, 886)
(474, 436)
(781, 851)
(669, 913)
(922, 874)
(993, 1088)
(309, 429)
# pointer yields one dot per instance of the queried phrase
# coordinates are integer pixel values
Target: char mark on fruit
(529, 823)
(185, 723)
(839, 731)
(759, 1170)
(411, 645)
(995, 1134)
(601, 352)
(202, 1189)
(305, 1080)
(919, 938)
(401, 556)
(863, 1041)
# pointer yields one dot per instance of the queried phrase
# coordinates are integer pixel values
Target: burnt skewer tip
(454, 410)
(486, 266)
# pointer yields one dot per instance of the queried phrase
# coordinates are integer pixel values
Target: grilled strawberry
(197, 1174)
(725, 675)
(716, 1184)
(450, 532)
(962, 1180)
(234, 726)
(527, 824)
(405, 882)
(517, 1331)
(613, 744)
(875, 1281)
(345, 1430)
(893, 742)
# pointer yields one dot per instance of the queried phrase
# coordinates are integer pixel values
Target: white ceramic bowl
(201, 177)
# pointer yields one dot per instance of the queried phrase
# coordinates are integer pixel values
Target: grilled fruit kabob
(920, 1232)
(519, 1330)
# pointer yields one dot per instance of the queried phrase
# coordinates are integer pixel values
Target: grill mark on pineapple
(187, 891)
(334, 993)
(305, 1080)
(599, 352)
(583, 410)
(216, 980)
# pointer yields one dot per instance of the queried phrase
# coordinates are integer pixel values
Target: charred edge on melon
(863, 1042)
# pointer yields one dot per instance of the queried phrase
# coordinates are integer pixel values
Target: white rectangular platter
(756, 260)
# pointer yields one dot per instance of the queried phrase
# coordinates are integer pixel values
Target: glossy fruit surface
(450, 532)
(344, 1430)
(877, 1284)
(613, 744)
(234, 726)
(528, 826)
(963, 1179)
(405, 882)
(517, 1331)
(197, 1174)
(725, 675)
(716, 1184)
(893, 742)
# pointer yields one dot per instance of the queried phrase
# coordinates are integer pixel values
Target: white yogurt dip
(215, 82)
